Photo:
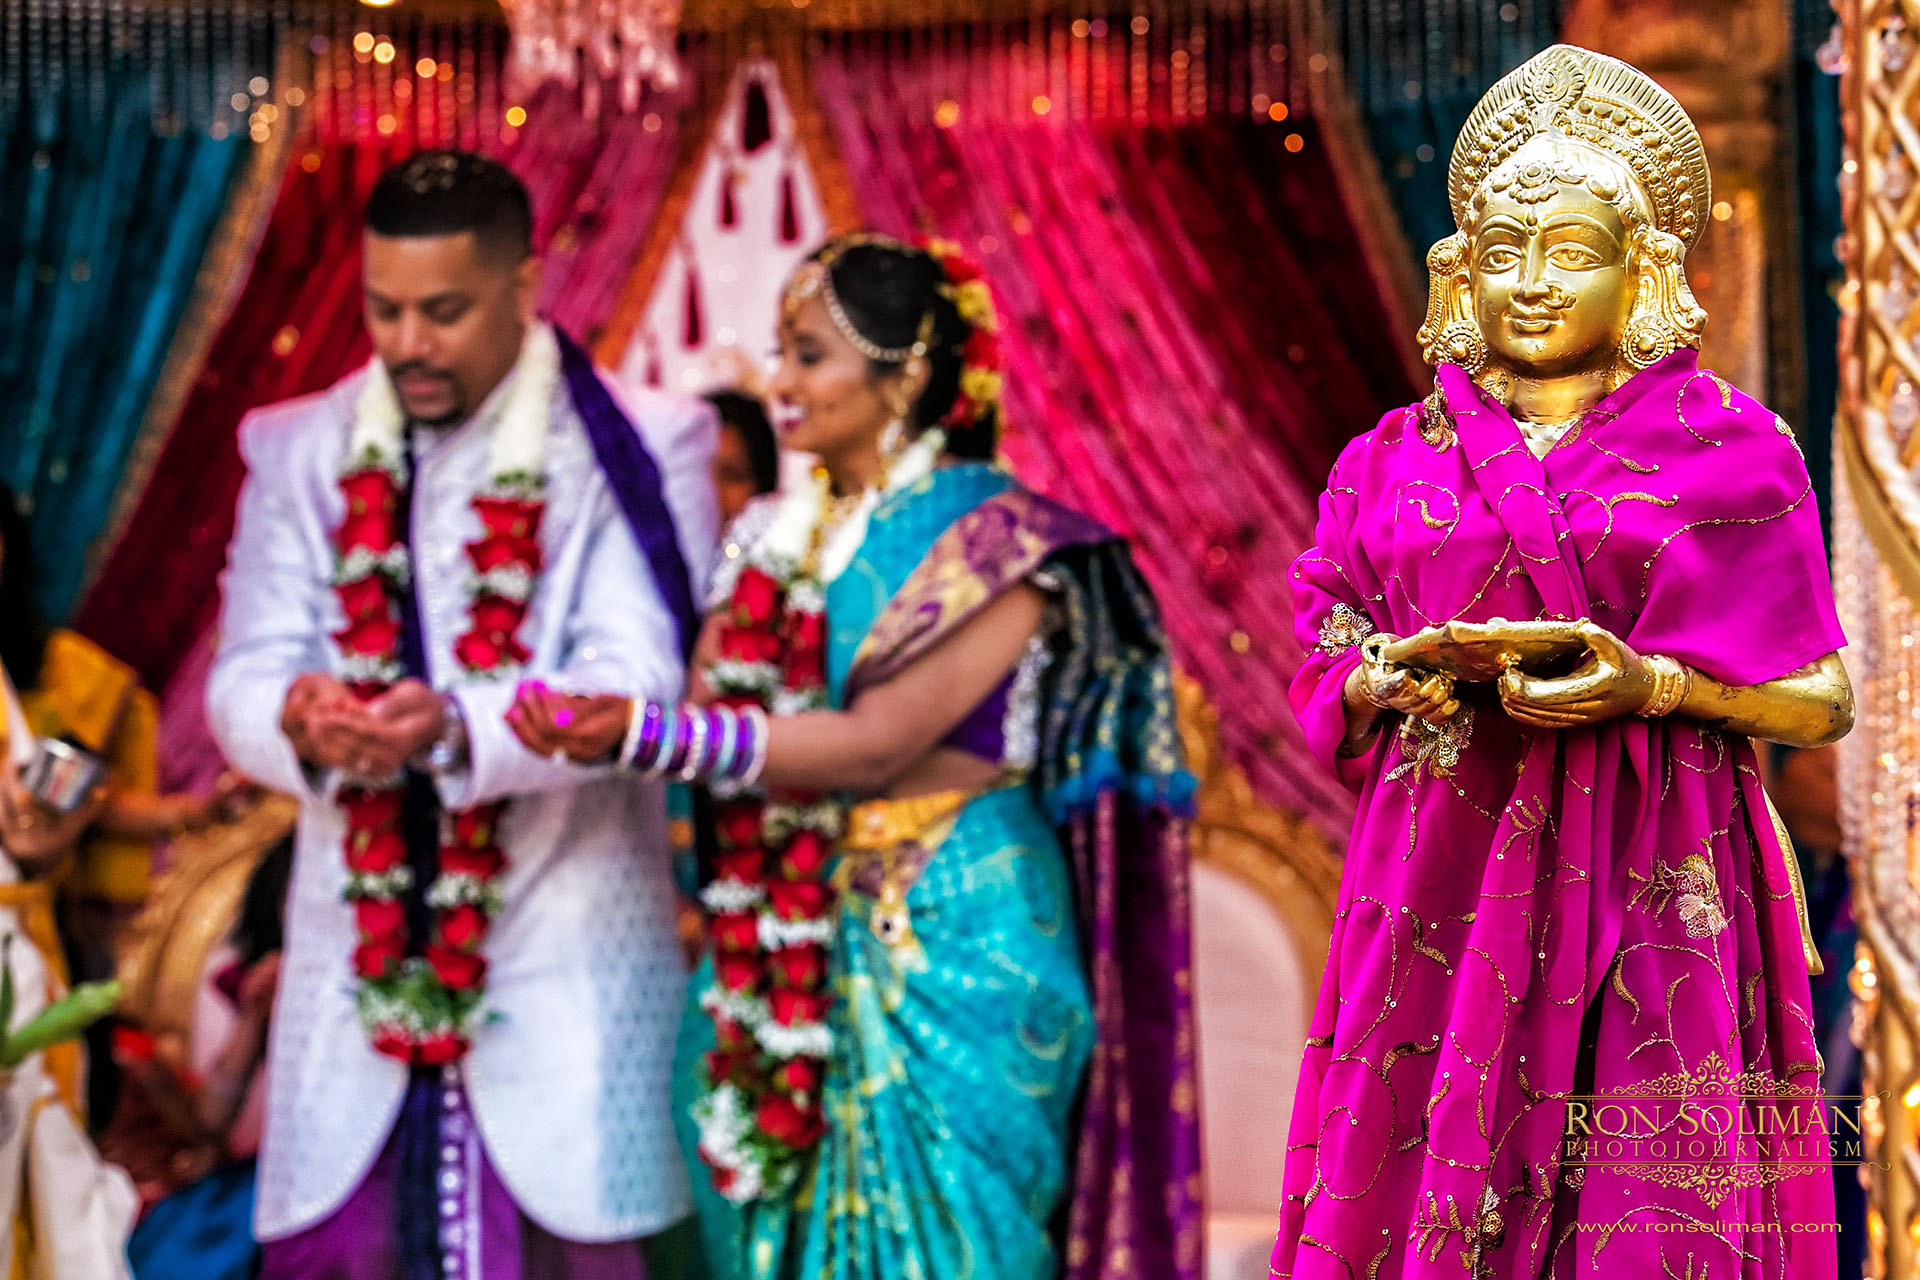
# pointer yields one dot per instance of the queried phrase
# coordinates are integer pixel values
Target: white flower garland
(790, 533)
(517, 451)
(390, 1005)
(731, 896)
(777, 934)
(725, 1130)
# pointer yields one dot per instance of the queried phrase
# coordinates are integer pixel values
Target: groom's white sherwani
(570, 1081)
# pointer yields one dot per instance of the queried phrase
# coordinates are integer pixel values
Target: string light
(1168, 61)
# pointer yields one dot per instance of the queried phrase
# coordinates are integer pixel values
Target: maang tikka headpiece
(977, 400)
(815, 277)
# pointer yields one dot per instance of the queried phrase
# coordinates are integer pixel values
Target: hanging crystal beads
(586, 44)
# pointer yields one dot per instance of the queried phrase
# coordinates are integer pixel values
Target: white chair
(1264, 888)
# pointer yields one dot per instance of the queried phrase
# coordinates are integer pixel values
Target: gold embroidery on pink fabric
(1690, 888)
(1489, 1229)
(1620, 989)
(1432, 749)
(1436, 421)
(1420, 945)
(1343, 629)
(1680, 403)
(1431, 1231)
(1780, 425)
(1638, 468)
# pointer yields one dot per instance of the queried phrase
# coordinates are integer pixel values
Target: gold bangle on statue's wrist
(1671, 683)
(1373, 665)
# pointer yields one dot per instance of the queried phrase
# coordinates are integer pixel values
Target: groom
(481, 983)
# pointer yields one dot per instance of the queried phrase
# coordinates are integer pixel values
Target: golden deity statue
(1578, 185)
(1548, 610)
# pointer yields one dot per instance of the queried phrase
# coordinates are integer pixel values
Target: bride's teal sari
(953, 1095)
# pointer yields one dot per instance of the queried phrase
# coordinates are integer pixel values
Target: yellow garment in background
(91, 697)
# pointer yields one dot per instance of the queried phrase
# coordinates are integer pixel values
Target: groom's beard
(449, 409)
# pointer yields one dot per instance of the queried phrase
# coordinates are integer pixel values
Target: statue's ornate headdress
(1604, 103)
(1638, 128)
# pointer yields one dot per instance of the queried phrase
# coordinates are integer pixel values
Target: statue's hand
(1611, 682)
(1393, 686)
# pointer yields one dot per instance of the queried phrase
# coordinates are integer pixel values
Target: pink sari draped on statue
(1529, 917)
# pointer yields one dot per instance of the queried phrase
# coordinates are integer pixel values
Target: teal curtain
(1415, 69)
(103, 221)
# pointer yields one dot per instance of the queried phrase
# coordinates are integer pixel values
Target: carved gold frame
(191, 909)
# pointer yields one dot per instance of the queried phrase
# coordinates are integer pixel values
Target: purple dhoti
(483, 1235)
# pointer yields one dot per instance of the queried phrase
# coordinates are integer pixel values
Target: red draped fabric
(297, 327)
(1191, 334)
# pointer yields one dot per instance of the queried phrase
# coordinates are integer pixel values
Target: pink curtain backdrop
(595, 188)
(1190, 335)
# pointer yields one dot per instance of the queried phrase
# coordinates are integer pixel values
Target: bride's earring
(893, 441)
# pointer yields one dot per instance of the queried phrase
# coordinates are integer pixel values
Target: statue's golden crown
(1600, 101)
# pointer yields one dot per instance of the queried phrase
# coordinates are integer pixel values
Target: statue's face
(1552, 284)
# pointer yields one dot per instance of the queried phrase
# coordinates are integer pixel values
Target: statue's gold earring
(1450, 334)
(1665, 315)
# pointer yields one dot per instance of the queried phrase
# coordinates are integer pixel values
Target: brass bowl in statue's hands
(1479, 651)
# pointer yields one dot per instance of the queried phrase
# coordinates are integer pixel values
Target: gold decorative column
(1876, 537)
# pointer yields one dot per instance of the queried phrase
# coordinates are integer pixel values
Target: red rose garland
(418, 1003)
(770, 907)
(418, 998)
